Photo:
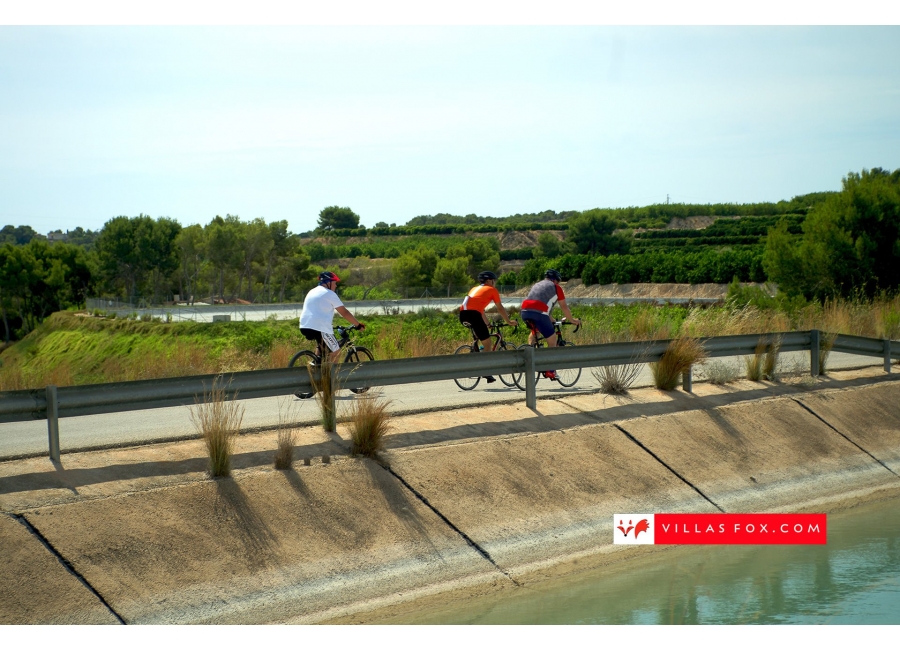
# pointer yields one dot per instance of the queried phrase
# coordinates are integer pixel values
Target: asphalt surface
(21, 439)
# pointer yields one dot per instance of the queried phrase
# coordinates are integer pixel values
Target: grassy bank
(71, 348)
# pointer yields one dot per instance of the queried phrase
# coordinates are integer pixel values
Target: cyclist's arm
(504, 314)
(565, 310)
(343, 311)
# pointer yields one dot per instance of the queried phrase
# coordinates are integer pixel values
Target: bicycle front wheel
(303, 359)
(568, 377)
(508, 380)
(357, 355)
(467, 383)
(519, 378)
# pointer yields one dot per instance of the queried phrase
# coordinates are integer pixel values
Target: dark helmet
(484, 276)
(328, 276)
(553, 274)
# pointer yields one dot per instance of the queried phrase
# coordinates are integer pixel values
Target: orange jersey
(480, 297)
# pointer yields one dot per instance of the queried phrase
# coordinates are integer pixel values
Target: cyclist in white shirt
(318, 313)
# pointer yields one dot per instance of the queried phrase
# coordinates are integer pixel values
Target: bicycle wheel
(508, 380)
(519, 378)
(356, 355)
(569, 376)
(303, 359)
(467, 383)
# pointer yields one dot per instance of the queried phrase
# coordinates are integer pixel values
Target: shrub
(287, 436)
(218, 421)
(369, 422)
(681, 354)
(720, 372)
(325, 385)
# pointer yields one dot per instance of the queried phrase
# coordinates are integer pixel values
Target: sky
(190, 122)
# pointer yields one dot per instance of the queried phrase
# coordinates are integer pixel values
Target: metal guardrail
(53, 403)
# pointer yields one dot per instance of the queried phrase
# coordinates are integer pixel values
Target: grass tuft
(218, 421)
(325, 386)
(616, 380)
(287, 435)
(720, 372)
(826, 342)
(369, 422)
(681, 354)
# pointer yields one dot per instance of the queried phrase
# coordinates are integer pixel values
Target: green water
(854, 579)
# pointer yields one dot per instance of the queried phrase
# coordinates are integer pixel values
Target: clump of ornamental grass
(617, 380)
(764, 360)
(720, 372)
(826, 342)
(287, 435)
(681, 354)
(323, 378)
(369, 423)
(218, 421)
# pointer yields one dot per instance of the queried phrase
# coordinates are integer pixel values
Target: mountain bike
(355, 354)
(567, 377)
(499, 343)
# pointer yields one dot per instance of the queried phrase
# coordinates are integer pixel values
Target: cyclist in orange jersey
(472, 310)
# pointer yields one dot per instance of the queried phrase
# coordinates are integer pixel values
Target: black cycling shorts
(315, 335)
(475, 318)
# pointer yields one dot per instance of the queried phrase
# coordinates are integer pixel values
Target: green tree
(138, 254)
(548, 246)
(223, 250)
(850, 241)
(592, 232)
(334, 217)
(191, 243)
(452, 272)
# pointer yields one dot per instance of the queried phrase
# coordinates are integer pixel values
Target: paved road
(136, 427)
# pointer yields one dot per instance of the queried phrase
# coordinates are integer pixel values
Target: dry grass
(616, 380)
(369, 422)
(218, 421)
(650, 324)
(326, 386)
(724, 322)
(720, 372)
(280, 354)
(287, 435)
(826, 342)
(426, 346)
(681, 354)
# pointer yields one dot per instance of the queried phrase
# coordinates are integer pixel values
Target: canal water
(853, 579)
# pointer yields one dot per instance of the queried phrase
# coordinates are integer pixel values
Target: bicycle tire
(467, 383)
(520, 377)
(301, 360)
(358, 354)
(570, 376)
(508, 380)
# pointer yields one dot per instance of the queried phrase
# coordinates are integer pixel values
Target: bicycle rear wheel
(303, 359)
(508, 380)
(568, 377)
(356, 355)
(467, 383)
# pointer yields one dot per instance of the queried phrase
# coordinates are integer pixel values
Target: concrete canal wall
(465, 501)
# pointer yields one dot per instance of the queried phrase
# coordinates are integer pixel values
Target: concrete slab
(36, 589)
(531, 501)
(265, 546)
(869, 416)
(762, 456)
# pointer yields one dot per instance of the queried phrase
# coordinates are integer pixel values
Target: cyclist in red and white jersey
(536, 308)
(472, 310)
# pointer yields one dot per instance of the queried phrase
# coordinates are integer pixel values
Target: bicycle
(355, 354)
(566, 378)
(500, 343)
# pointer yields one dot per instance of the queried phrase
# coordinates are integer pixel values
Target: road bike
(355, 354)
(567, 377)
(499, 343)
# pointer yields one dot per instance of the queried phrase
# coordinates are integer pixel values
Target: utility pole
(667, 199)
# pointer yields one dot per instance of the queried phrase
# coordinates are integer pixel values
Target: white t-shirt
(318, 309)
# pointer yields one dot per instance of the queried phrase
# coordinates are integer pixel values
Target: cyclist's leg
(480, 330)
(329, 344)
(543, 324)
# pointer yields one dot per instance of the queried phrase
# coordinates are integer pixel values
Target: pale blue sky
(190, 122)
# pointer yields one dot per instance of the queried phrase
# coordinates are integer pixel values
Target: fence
(53, 403)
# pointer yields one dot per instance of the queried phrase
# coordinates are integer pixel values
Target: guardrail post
(53, 422)
(687, 382)
(530, 378)
(814, 353)
(887, 356)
